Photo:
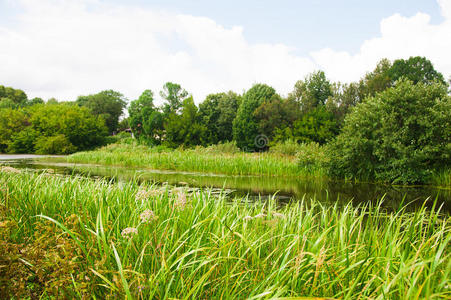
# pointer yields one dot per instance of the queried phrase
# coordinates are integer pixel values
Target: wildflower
(181, 200)
(142, 195)
(7, 169)
(247, 218)
(147, 216)
(129, 232)
(278, 215)
(260, 216)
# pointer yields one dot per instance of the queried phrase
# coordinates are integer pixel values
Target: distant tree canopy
(392, 124)
(50, 129)
(108, 104)
(14, 98)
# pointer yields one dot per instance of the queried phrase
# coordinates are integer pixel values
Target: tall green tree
(109, 104)
(312, 91)
(416, 69)
(145, 120)
(174, 95)
(246, 129)
(12, 98)
(217, 113)
(277, 114)
(184, 128)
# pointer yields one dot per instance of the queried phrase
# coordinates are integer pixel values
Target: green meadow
(73, 237)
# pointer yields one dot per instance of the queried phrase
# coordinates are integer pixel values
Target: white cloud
(64, 48)
(401, 37)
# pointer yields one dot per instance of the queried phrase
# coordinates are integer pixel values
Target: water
(285, 188)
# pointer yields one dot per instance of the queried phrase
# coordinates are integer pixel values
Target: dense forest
(393, 125)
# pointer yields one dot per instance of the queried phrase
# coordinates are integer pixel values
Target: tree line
(399, 112)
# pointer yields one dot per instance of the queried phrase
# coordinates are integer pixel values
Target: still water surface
(285, 188)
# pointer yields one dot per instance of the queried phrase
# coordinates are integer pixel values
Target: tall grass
(203, 246)
(197, 160)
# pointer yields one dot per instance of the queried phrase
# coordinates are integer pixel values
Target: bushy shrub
(227, 147)
(401, 135)
(312, 156)
(288, 147)
(57, 144)
(23, 141)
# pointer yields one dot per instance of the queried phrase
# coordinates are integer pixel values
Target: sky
(67, 48)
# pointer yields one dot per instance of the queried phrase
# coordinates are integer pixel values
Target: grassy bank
(196, 160)
(73, 237)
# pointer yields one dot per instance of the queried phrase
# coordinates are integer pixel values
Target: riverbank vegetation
(71, 237)
(394, 125)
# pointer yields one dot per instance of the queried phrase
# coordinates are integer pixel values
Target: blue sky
(306, 25)
(65, 48)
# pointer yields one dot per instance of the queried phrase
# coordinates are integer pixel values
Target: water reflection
(262, 186)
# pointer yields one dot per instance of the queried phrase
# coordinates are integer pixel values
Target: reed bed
(72, 237)
(196, 160)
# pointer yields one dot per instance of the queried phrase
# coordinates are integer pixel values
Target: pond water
(285, 188)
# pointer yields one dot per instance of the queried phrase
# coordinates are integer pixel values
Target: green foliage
(20, 129)
(108, 104)
(276, 113)
(184, 129)
(77, 124)
(286, 147)
(12, 98)
(174, 95)
(57, 144)
(416, 69)
(312, 91)
(145, 120)
(217, 113)
(221, 148)
(318, 125)
(245, 125)
(401, 135)
(23, 141)
(312, 156)
(12, 121)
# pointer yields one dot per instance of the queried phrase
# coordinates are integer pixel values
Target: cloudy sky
(65, 48)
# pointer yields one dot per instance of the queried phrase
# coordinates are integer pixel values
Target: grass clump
(222, 159)
(141, 241)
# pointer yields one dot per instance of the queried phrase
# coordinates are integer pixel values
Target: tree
(174, 96)
(318, 125)
(78, 125)
(402, 134)
(376, 81)
(217, 113)
(312, 91)
(416, 69)
(276, 114)
(184, 129)
(12, 121)
(245, 126)
(108, 104)
(344, 97)
(12, 98)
